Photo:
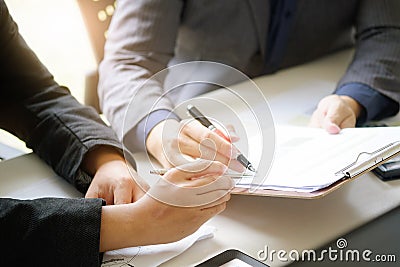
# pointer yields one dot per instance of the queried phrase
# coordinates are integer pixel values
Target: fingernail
(333, 129)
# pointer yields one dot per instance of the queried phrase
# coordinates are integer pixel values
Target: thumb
(330, 125)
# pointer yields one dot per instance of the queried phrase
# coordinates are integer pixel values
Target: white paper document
(154, 255)
(308, 159)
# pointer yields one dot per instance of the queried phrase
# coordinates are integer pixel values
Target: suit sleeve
(376, 63)
(44, 114)
(140, 42)
(50, 232)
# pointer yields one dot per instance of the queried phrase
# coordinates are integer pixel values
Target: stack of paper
(308, 159)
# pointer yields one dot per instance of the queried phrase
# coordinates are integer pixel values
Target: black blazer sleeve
(41, 112)
(50, 232)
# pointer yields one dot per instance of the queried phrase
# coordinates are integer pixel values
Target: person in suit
(256, 37)
(75, 141)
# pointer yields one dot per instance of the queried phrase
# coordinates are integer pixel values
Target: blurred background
(56, 33)
(55, 30)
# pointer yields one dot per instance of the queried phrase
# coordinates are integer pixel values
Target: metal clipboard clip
(368, 160)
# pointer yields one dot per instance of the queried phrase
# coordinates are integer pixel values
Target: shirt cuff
(376, 105)
(136, 138)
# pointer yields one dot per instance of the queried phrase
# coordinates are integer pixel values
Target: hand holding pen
(196, 114)
(171, 142)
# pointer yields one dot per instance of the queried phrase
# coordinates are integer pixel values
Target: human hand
(175, 207)
(170, 142)
(116, 184)
(336, 112)
(114, 180)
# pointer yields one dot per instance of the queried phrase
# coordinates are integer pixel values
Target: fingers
(213, 185)
(123, 195)
(94, 192)
(199, 133)
(330, 127)
(171, 143)
(335, 112)
(190, 147)
(127, 189)
(332, 119)
(199, 142)
(91, 193)
(120, 195)
(197, 168)
(117, 183)
(217, 192)
(195, 184)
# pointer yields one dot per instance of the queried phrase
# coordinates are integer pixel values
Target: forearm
(116, 232)
(138, 224)
(135, 224)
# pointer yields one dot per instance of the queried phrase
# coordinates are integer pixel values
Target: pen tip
(189, 106)
(251, 168)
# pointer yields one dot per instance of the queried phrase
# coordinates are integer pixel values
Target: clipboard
(363, 163)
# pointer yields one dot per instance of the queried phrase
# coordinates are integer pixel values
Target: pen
(232, 175)
(196, 114)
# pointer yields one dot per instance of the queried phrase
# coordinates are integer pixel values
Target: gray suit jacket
(145, 36)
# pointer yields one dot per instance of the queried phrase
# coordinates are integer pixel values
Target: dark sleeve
(376, 106)
(376, 63)
(41, 112)
(50, 232)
